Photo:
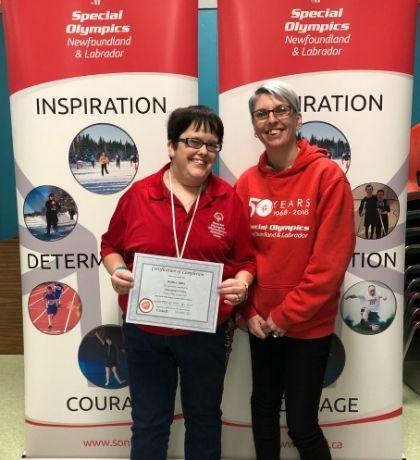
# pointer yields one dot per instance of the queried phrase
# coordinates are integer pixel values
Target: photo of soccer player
(54, 307)
(368, 307)
(330, 138)
(102, 357)
(376, 210)
(50, 213)
(101, 158)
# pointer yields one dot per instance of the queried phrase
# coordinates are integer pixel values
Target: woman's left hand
(270, 327)
(233, 290)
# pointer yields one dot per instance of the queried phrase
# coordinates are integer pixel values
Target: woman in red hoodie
(301, 217)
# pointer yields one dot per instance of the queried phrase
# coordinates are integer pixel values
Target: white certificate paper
(174, 293)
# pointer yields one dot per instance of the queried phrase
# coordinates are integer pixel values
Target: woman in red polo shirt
(183, 210)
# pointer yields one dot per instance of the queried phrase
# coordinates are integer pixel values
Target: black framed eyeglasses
(281, 111)
(196, 143)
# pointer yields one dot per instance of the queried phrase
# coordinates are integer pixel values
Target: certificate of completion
(174, 293)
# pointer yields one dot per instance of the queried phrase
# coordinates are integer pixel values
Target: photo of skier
(330, 138)
(102, 357)
(104, 160)
(50, 213)
(52, 207)
(101, 158)
(134, 161)
(54, 307)
(368, 307)
(376, 209)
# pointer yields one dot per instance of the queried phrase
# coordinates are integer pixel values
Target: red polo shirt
(220, 233)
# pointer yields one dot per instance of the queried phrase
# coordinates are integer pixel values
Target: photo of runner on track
(54, 307)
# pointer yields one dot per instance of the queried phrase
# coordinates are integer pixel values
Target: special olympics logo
(218, 217)
(264, 208)
(145, 305)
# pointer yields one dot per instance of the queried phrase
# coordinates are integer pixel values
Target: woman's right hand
(256, 326)
(122, 281)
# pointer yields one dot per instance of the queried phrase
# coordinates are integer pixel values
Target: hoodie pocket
(268, 297)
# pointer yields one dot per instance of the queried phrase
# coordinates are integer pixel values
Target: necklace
(179, 253)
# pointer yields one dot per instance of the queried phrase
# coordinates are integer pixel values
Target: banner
(92, 84)
(354, 79)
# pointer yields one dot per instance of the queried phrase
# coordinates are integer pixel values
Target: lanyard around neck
(180, 254)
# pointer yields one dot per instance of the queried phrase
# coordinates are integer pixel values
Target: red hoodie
(302, 226)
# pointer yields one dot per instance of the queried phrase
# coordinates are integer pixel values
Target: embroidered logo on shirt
(218, 217)
(217, 227)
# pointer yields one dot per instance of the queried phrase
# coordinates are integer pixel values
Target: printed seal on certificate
(145, 305)
(175, 293)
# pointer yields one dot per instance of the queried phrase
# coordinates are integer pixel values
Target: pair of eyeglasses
(281, 111)
(195, 143)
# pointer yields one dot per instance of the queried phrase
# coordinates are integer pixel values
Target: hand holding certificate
(175, 293)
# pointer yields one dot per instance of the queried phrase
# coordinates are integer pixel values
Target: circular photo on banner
(50, 213)
(54, 307)
(368, 307)
(103, 158)
(102, 359)
(330, 138)
(376, 210)
(336, 361)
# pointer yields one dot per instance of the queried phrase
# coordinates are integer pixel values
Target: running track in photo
(102, 357)
(54, 296)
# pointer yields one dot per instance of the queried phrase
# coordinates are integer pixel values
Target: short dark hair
(369, 186)
(200, 116)
(380, 190)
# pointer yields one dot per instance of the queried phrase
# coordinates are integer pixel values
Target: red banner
(350, 63)
(93, 37)
(92, 84)
(314, 36)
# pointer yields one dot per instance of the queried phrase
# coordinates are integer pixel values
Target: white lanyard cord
(180, 254)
